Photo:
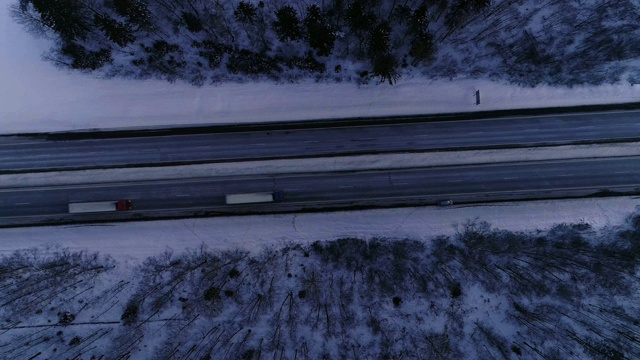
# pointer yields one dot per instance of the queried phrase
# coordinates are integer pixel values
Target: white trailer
(99, 206)
(251, 198)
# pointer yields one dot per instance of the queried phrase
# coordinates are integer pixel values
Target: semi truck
(252, 198)
(100, 206)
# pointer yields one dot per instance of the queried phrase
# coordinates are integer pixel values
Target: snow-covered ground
(35, 96)
(136, 241)
(472, 294)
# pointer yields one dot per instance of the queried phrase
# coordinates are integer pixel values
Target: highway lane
(331, 190)
(27, 154)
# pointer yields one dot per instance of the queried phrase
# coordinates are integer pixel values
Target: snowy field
(36, 97)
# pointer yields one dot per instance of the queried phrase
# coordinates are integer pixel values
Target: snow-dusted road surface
(463, 184)
(24, 153)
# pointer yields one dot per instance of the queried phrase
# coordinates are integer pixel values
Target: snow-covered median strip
(324, 164)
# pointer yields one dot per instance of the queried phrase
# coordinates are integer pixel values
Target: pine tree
(386, 67)
(245, 12)
(320, 35)
(419, 20)
(422, 47)
(359, 18)
(379, 40)
(287, 26)
(84, 59)
(62, 16)
(117, 32)
(134, 10)
(194, 24)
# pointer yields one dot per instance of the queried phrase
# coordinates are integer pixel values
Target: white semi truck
(99, 206)
(252, 198)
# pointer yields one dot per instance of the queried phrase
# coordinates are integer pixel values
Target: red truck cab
(122, 205)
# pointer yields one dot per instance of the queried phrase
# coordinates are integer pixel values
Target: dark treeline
(210, 40)
(555, 42)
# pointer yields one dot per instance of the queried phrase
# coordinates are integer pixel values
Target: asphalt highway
(22, 154)
(462, 184)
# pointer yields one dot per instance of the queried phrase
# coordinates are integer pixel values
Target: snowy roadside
(325, 164)
(37, 97)
(133, 242)
(108, 104)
